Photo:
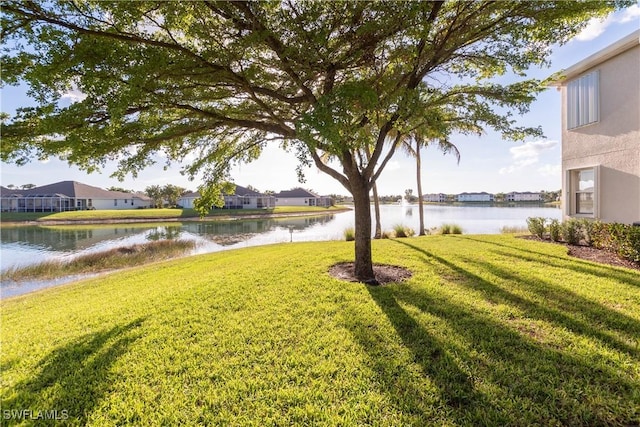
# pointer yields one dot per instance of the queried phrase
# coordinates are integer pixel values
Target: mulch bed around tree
(384, 273)
(592, 254)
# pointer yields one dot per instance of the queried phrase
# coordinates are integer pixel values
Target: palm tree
(421, 141)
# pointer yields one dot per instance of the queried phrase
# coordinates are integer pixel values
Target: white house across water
(68, 196)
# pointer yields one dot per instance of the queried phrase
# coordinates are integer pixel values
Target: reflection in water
(33, 244)
(67, 238)
(165, 233)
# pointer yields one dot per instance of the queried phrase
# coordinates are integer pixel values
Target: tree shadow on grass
(579, 266)
(562, 306)
(486, 371)
(74, 377)
(568, 309)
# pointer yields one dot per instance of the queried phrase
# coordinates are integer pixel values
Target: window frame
(583, 100)
(573, 192)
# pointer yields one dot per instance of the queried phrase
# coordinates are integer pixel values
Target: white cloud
(527, 155)
(74, 95)
(597, 26)
(594, 28)
(532, 149)
(550, 170)
(630, 14)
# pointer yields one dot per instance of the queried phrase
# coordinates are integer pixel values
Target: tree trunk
(420, 201)
(376, 201)
(376, 204)
(362, 206)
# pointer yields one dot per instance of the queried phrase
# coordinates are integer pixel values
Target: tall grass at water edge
(112, 259)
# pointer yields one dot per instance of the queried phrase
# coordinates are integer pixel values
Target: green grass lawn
(102, 215)
(490, 330)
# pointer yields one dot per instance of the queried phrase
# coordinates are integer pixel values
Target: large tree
(172, 193)
(218, 81)
(156, 194)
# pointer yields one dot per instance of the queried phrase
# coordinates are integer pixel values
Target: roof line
(599, 57)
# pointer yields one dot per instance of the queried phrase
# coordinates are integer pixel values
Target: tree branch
(388, 157)
(277, 47)
(330, 171)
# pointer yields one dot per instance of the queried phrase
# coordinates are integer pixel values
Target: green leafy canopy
(210, 83)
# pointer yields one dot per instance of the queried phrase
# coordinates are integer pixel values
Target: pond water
(24, 245)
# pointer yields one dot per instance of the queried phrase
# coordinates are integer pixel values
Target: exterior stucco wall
(292, 201)
(102, 204)
(612, 144)
(140, 203)
(475, 198)
(186, 202)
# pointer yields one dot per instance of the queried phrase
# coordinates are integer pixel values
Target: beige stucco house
(601, 134)
(69, 196)
(242, 198)
(301, 197)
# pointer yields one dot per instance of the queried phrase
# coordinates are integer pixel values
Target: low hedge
(621, 239)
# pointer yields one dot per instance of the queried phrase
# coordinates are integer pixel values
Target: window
(583, 100)
(584, 193)
(90, 202)
(115, 202)
(582, 184)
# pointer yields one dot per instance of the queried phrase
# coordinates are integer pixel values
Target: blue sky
(487, 163)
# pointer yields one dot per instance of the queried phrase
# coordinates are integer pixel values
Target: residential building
(475, 197)
(525, 196)
(435, 197)
(601, 134)
(68, 196)
(242, 198)
(301, 197)
(187, 199)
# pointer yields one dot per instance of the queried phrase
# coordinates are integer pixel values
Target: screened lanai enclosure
(39, 203)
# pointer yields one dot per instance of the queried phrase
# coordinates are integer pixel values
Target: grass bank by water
(159, 214)
(128, 256)
(490, 330)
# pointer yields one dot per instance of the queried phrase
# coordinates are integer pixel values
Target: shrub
(571, 231)
(350, 234)
(402, 231)
(589, 230)
(450, 229)
(601, 236)
(554, 230)
(625, 240)
(387, 235)
(536, 226)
